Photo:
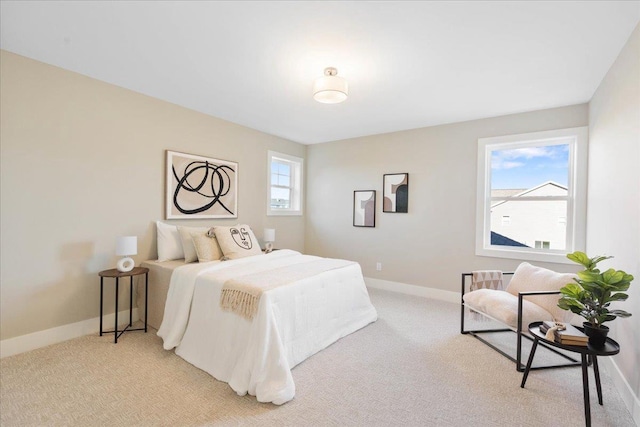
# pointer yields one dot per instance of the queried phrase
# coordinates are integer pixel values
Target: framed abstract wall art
(364, 208)
(200, 187)
(395, 192)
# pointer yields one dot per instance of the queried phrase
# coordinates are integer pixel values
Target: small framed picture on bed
(395, 192)
(200, 187)
(364, 208)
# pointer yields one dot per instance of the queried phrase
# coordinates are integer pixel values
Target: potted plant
(592, 293)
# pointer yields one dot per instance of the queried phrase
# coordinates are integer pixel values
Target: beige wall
(613, 220)
(82, 162)
(432, 244)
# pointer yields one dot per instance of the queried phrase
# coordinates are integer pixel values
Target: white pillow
(207, 248)
(237, 241)
(186, 234)
(528, 277)
(169, 242)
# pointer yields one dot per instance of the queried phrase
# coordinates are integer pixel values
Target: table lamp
(269, 238)
(126, 246)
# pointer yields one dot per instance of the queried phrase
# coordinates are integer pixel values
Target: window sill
(557, 258)
(284, 213)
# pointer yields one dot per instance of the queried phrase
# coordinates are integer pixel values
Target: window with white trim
(538, 182)
(284, 184)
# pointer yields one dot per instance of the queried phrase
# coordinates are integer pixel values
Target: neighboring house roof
(500, 240)
(507, 192)
(523, 192)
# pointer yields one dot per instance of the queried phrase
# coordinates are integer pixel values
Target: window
(542, 244)
(531, 198)
(284, 192)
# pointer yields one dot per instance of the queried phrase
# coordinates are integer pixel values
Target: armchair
(532, 295)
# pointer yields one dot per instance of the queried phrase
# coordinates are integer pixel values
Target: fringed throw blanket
(242, 294)
(485, 279)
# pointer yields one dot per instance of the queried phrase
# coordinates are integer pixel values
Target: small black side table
(114, 273)
(610, 348)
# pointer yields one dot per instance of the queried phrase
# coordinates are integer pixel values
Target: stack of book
(566, 334)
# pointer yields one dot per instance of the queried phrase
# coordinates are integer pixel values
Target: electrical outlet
(378, 266)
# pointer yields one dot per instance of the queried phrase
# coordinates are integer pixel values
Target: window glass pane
(284, 180)
(526, 168)
(284, 169)
(532, 223)
(538, 179)
(280, 198)
(285, 184)
(281, 174)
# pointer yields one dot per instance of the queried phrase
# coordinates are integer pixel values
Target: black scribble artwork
(209, 181)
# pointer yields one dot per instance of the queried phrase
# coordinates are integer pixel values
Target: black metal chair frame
(519, 334)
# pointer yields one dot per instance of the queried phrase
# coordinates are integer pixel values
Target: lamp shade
(330, 89)
(127, 245)
(269, 235)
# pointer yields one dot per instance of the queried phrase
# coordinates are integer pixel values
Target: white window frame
(576, 197)
(297, 165)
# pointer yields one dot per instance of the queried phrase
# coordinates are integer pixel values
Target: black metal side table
(114, 273)
(610, 348)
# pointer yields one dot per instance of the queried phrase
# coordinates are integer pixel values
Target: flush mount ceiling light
(330, 89)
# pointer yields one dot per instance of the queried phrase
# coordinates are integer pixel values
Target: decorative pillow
(237, 241)
(186, 234)
(528, 277)
(206, 247)
(169, 242)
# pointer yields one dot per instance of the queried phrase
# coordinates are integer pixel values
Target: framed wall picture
(364, 208)
(395, 193)
(200, 187)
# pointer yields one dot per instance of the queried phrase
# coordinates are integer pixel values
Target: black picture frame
(395, 193)
(364, 208)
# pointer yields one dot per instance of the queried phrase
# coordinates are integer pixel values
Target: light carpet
(410, 368)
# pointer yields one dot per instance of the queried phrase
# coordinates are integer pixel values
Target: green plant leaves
(580, 258)
(593, 291)
(620, 313)
(583, 259)
(612, 276)
(571, 290)
(589, 276)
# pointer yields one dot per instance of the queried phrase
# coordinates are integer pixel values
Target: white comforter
(293, 322)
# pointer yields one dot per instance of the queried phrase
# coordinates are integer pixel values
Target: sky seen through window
(525, 168)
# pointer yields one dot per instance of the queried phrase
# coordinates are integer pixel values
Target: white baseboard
(23, 343)
(420, 291)
(626, 393)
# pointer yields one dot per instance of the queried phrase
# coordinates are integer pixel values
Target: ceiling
(408, 64)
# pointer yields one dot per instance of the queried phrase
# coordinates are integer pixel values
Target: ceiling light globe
(330, 89)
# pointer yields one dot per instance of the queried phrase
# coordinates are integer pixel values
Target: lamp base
(125, 264)
(268, 247)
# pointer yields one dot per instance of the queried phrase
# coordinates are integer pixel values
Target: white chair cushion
(503, 306)
(528, 277)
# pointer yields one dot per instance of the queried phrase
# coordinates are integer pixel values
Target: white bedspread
(293, 322)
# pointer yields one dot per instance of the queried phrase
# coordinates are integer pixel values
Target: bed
(307, 313)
